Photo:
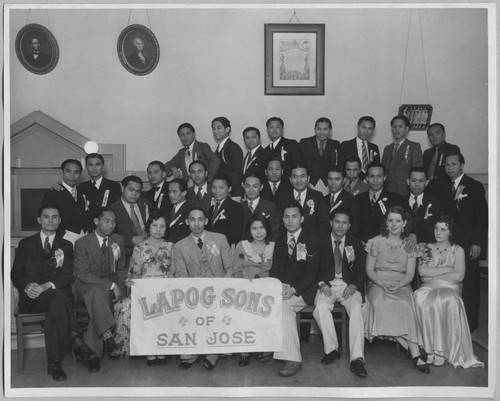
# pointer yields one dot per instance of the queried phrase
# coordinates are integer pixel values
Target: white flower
(283, 153)
(349, 250)
(115, 248)
(382, 206)
(336, 206)
(267, 216)
(406, 153)
(460, 195)
(59, 256)
(221, 216)
(212, 247)
(301, 251)
(427, 212)
(310, 203)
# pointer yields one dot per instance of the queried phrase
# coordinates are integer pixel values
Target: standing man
(275, 186)
(399, 157)
(284, 149)
(193, 258)
(255, 160)
(199, 195)
(43, 273)
(158, 194)
(466, 203)
(296, 265)
(359, 147)
(192, 150)
(354, 184)
(177, 228)
(341, 279)
(320, 153)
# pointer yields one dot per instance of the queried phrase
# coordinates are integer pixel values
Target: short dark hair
(252, 175)
(293, 204)
(336, 169)
(367, 118)
(460, 156)
(156, 215)
(48, 206)
(417, 170)
(436, 125)
(404, 215)
(275, 159)
(299, 165)
(198, 162)
(340, 210)
(222, 177)
(183, 187)
(132, 178)
(197, 208)
(352, 159)
(71, 161)
(405, 119)
(450, 222)
(373, 165)
(323, 120)
(99, 212)
(223, 120)
(270, 120)
(94, 156)
(248, 129)
(158, 163)
(265, 222)
(185, 125)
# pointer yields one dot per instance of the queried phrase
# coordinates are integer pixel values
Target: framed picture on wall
(418, 114)
(294, 59)
(37, 49)
(138, 49)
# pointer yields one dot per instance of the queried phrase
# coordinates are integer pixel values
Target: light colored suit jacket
(216, 248)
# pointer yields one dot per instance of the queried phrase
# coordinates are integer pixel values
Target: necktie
(366, 161)
(135, 221)
(200, 243)
(172, 214)
(332, 201)
(395, 150)
(415, 205)
(46, 246)
(373, 199)
(272, 147)
(337, 257)
(291, 245)
(453, 190)
(217, 151)
(94, 183)
(188, 152)
(298, 198)
(246, 161)
(216, 210)
(73, 192)
(275, 188)
(321, 148)
(250, 206)
(104, 246)
(157, 189)
(199, 195)
(432, 166)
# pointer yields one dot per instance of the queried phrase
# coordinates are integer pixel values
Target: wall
(212, 63)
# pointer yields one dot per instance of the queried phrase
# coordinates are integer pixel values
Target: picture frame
(138, 49)
(418, 114)
(37, 49)
(294, 59)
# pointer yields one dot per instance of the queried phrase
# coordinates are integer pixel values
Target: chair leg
(344, 335)
(20, 345)
(398, 350)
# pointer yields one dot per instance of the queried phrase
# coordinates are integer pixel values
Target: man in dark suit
(339, 198)
(75, 218)
(37, 58)
(354, 184)
(192, 150)
(177, 228)
(320, 153)
(374, 203)
(100, 279)
(359, 147)
(296, 265)
(399, 157)
(341, 279)
(137, 58)
(255, 160)
(276, 185)
(225, 215)
(43, 273)
(132, 212)
(255, 204)
(284, 149)
(466, 203)
(158, 194)
(229, 154)
(199, 195)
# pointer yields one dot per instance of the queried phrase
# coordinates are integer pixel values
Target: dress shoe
(208, 365)
(84, 353)
(111, 348)
(329, 358)
(357, 367)
(265, 357)
(290, 368)
(244, 360)
(94, 365)
(186, 364)
(161, 360)
(151, 361)
(54, 369)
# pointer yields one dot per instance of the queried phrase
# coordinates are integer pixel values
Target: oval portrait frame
(48, 58)
(126, 53)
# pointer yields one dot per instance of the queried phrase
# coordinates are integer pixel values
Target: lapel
(177, 216)
(95, 249)
(340, 199)
(400, 154)
(222, 208)
(256, 156)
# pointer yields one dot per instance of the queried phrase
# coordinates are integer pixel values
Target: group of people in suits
(320, 202)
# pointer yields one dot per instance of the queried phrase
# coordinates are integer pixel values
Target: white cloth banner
(205, 316)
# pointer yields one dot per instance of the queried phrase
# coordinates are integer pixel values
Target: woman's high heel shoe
(423, 367)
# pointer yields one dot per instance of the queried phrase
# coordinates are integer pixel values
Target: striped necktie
(291, 245)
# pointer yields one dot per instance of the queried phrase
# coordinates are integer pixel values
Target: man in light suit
(341, 279)
(320, 153)
(158, 194)
(132, 212)
(353, 184)
(177, 228)
(100, 279)
(359, 147)
(399, 157)
(255, 160)
(296, 265)
(276, 184)
(192, 150)
(284, 149)
(201, 254)
(200, 194)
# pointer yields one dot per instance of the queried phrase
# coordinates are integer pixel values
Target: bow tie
(36, 52)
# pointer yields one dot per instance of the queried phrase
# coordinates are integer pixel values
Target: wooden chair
(339, 316)
(27, 323)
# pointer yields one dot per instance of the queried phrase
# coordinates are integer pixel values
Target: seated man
(275, 185)
(43, 273)
(341, 279)
(354, 184)
(158, 194)
(199, 194)
(100, 279)
(177, 228)
(192, 258)
(296, 265)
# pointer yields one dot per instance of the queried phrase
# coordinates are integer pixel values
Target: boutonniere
(356, 192)
(301, 251)
(59, 256)
(267, 216)
(105, 198)
(441, 160)
(212, 247)
(382, 206)
(174, 221)
(427, 212)
(159, 200)
(406, 153)
(349, 251)
(252, 160)
(460, 195)
(220, 216)
(115, 249)
(85, 202)
(336, 155)
(336, 206)
(310, 203)
(283, 153)
(146, 209)
(372, 154)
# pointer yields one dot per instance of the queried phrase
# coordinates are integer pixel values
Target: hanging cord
(129, 15)
(50, 27)
(406, 53)
(423, 57)
(295, 15)
(28, 17)
(149, 21)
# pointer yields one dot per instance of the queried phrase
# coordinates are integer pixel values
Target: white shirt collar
(70, 189)
(51, 238)
(303, 195)
(458, 179)
(252, 152)
(420, 199)
(202, 236)
(377, 194)
(177, 207)
(342, 242)
(220, 145)
(97, 182)
(295, 234)
(99, 238)
(335, 195)
(276, 142)
(255, 201)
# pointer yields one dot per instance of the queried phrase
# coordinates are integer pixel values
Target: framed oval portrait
(37, 49)
(138, 49)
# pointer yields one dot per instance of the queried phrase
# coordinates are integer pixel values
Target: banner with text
(205, 316)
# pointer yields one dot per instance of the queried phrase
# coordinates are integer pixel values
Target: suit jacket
(134, 60)
(177, 228)
(88, 262)
(229, 220)
(231, 161)
(288, 152)
(205, 202)
(124, 225)
(317, 165)
(300, 274)
(163, 202)
(75, 215)
(257, 164)
(186, 260)
(267, 192)
(358, 188)
(424, 219)
(267, 209)
(371, 217)
(41, 61)
(353, 271)
(108, 192)
(31, 265)
(349, 202)
(409, 155)
(349, 149)
(202, 152)
(443, 150)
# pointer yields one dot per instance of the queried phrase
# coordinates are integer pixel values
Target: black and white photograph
(37, 49)
(138, 49)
